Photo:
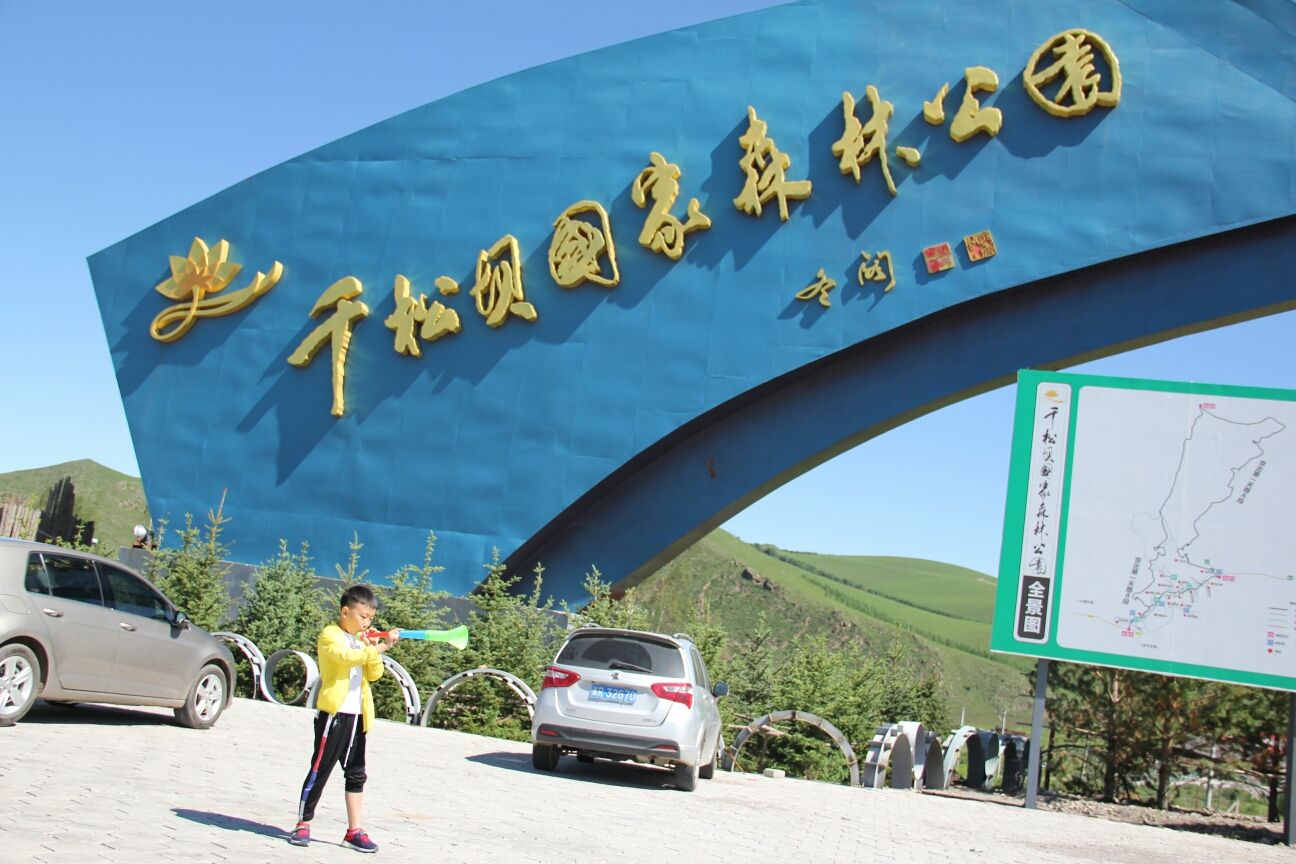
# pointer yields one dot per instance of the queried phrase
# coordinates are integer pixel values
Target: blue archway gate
(421, 326)
(758, 442)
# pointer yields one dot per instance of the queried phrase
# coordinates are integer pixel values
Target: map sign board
(1149, 526)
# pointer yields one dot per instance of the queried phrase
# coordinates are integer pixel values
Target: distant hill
(114, 501)
(940, 613)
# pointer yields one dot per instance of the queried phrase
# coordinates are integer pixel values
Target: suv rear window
(597, 651)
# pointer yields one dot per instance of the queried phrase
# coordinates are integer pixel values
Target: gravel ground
(1253, 829)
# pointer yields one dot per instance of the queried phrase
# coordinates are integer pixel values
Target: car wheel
(206, 699)
(686, 777)
(20, 675)
(707, 771)
(584, 757)
(544, 756)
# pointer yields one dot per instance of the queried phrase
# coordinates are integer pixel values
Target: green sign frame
(1013, 632)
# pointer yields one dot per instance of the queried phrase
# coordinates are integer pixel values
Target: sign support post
(1289, 814)
(1037, 733)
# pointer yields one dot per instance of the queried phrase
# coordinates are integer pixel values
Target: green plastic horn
(456, 637)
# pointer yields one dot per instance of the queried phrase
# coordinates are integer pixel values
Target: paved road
(95, 783)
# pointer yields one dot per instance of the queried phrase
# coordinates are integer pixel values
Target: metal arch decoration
(917, 734)
(983, 755)
(928, 757)
(307, 695)
(731, 752)
(890, 748)
(514, 683)
(1015, 752)
(933, 774)
(248, 648)
(409, 690)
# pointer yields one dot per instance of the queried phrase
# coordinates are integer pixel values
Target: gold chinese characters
(436, 320)
(1082, 84)
(818, 289)
(879, 269)
(971, 117)
(497, 288)
(577, 246)
(860, 142)
(1068, 75)
(204, 272)
(335, 330)
(663, 232)
(764, 166)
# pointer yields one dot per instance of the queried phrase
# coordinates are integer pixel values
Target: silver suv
(627, 694)
(80, 628)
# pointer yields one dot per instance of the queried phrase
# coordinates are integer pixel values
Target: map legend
(1278, 628)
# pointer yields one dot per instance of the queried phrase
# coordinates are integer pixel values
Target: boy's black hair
(359, 595)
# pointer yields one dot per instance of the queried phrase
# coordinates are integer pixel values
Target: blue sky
(118, 115)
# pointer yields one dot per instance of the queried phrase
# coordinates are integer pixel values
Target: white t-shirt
(353, 704)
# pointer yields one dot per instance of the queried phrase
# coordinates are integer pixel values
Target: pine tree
(193, 573)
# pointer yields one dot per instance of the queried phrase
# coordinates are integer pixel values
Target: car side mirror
(181, 620)
(720, 689)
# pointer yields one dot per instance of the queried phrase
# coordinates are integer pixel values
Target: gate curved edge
(1090, 312)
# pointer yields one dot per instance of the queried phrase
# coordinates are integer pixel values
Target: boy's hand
(384, 643)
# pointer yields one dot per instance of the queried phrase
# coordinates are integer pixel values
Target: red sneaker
(300, 835)
(358, 840)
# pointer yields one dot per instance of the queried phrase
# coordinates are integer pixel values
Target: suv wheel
(206, 699)
(686, 777)
(707, 771)
(544, 756)
(20, 675)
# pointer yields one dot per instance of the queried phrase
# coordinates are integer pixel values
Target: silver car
(80, 628)
(629, 695)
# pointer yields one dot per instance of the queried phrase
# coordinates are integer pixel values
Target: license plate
(604, 693)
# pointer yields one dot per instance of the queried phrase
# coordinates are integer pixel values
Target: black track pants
(339, 740)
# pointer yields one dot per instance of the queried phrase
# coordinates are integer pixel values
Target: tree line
(1115, 735)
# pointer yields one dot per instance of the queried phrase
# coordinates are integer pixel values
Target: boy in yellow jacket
(348, 660)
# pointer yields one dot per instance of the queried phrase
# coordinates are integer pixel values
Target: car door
(706, 700)
(83, 631)
(154, 658)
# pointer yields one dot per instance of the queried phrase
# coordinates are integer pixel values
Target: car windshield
(596, 651)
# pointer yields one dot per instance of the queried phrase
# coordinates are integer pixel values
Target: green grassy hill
(939, 613)
(114, 501)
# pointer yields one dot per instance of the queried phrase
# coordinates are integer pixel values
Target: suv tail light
(681, 692)
(556, 676)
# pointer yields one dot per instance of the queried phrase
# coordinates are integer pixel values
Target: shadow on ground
(100, 715)
(626, 774)
(230, 823)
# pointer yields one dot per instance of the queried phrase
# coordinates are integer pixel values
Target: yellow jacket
(336, 660)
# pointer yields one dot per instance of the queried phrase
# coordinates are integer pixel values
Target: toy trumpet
(456, 637)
